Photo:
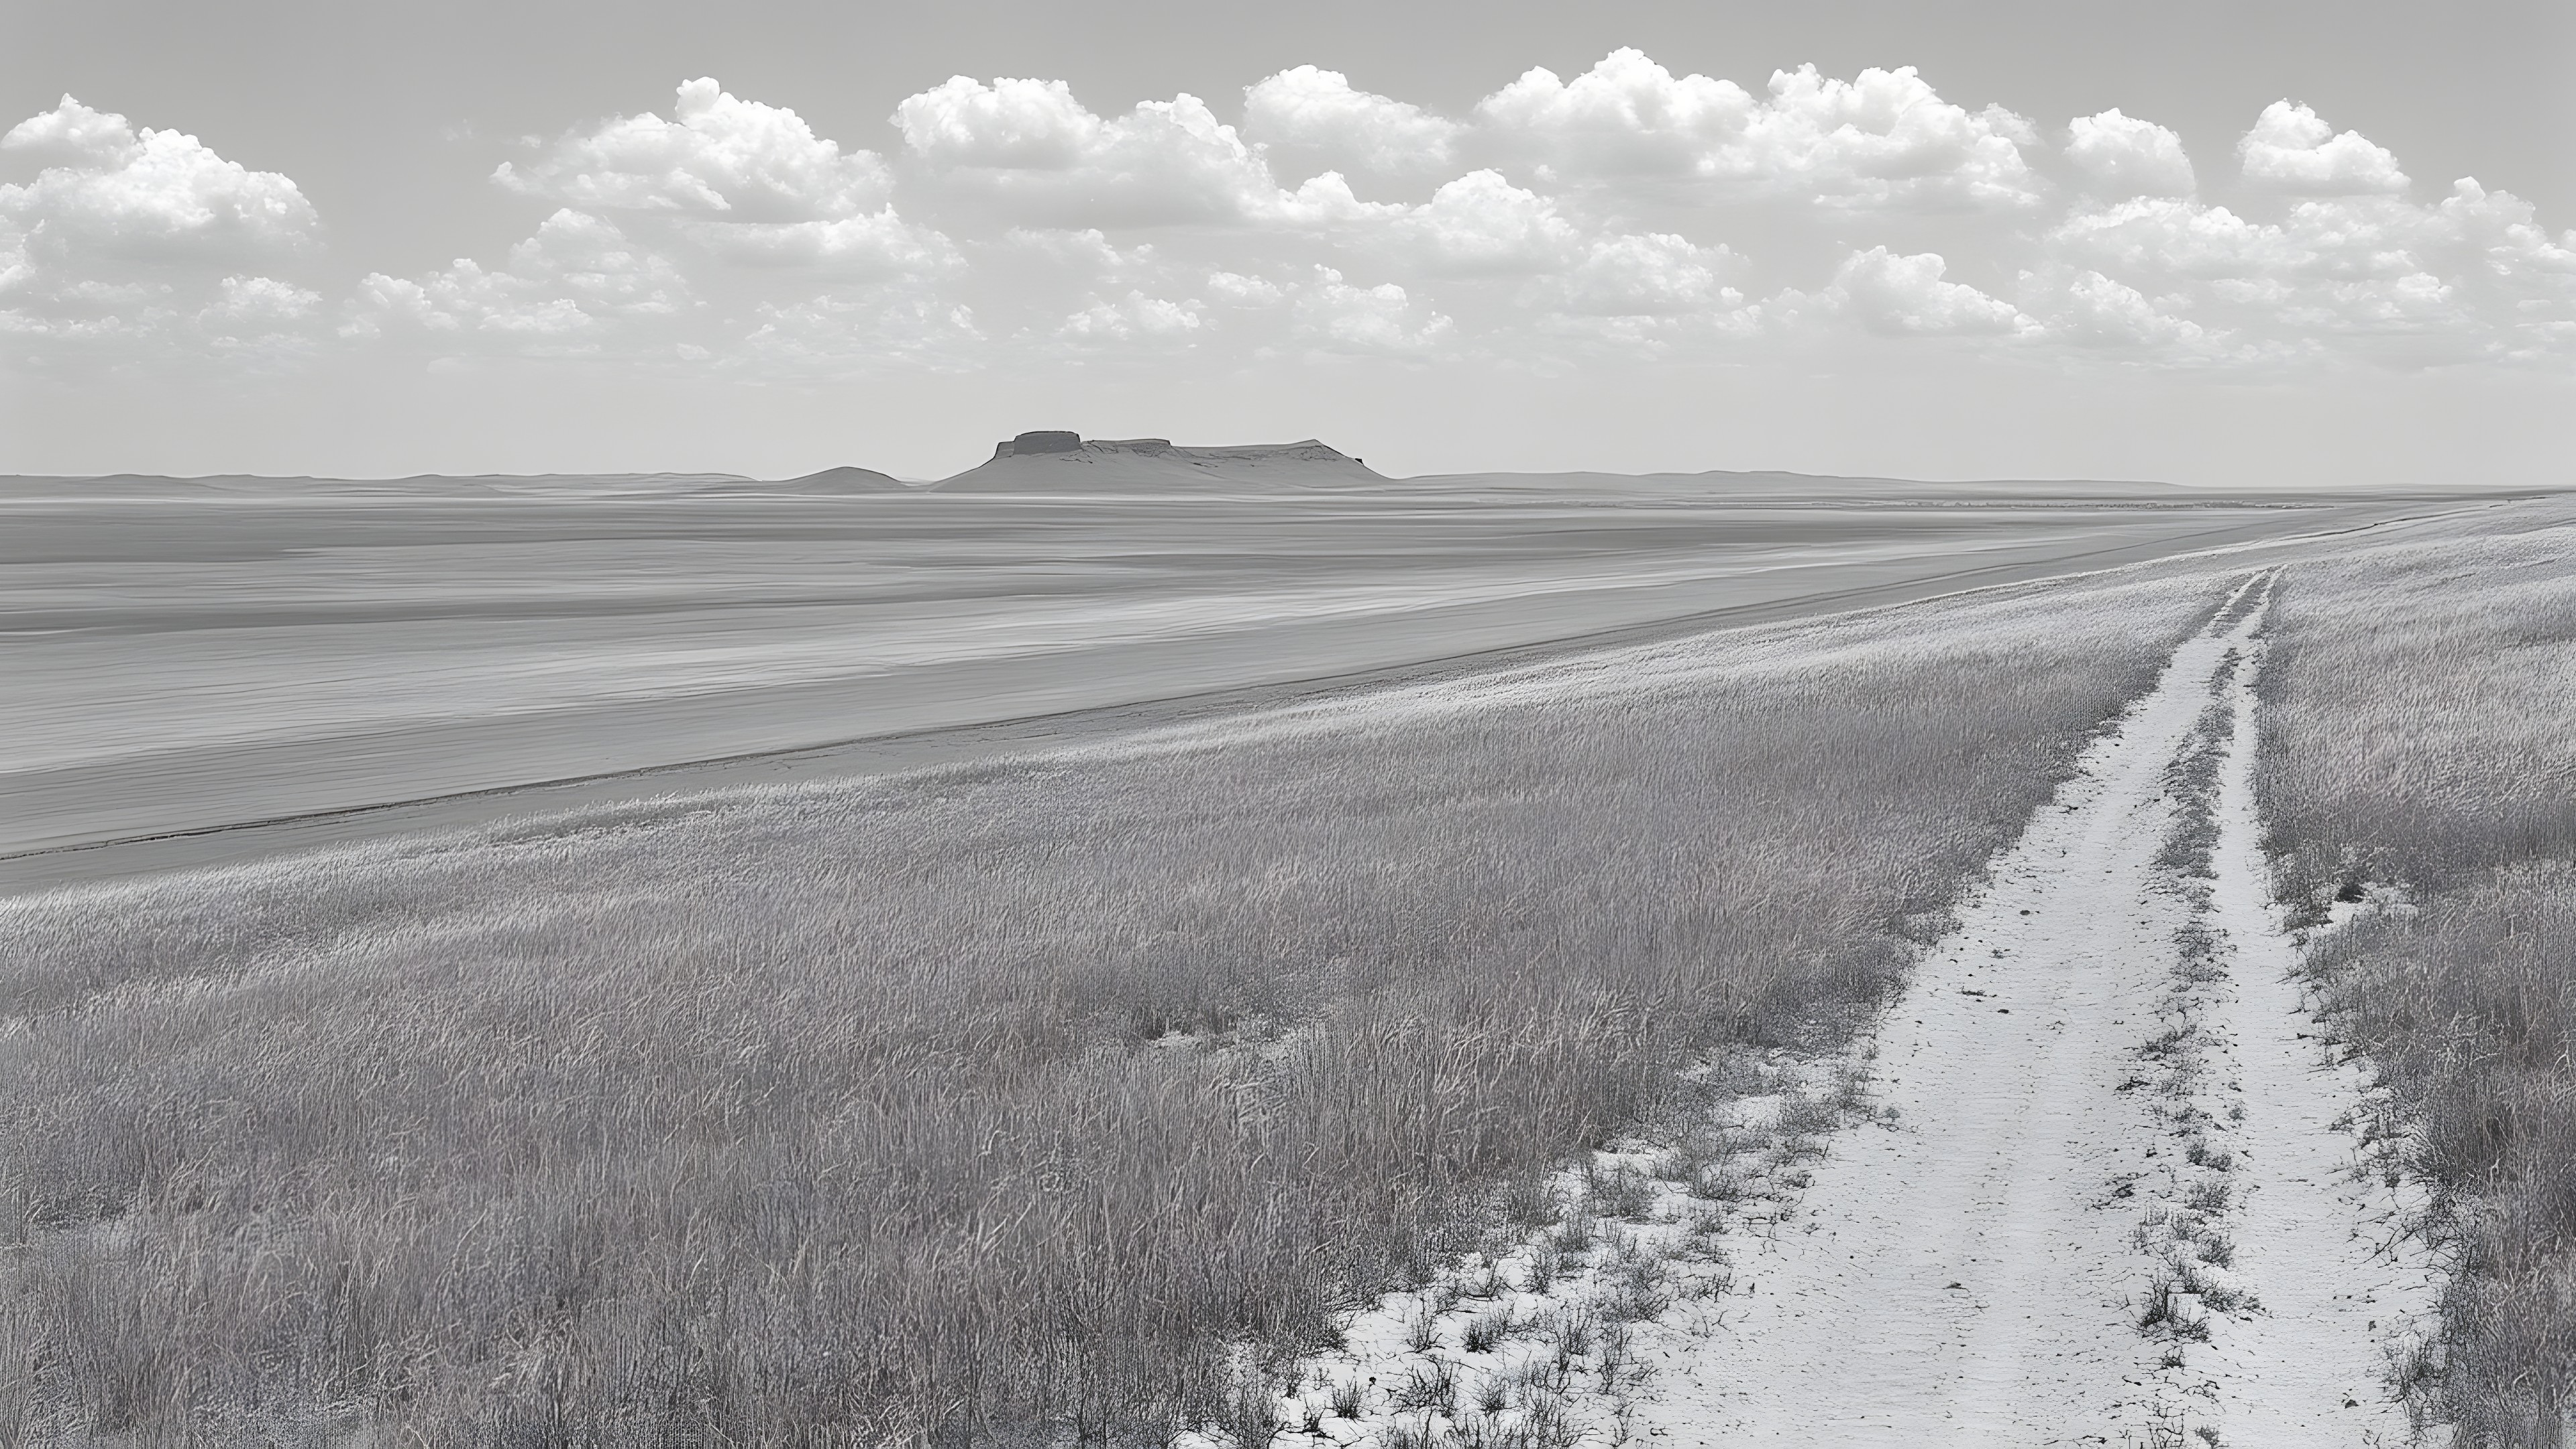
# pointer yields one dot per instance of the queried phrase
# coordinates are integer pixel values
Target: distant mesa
(1064, 462)
(1027, 444)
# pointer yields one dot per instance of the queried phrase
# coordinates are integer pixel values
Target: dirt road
(2105, 1199)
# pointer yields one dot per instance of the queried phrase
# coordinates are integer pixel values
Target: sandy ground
(1970, 1268)
(186, 661)
(2319, 1237)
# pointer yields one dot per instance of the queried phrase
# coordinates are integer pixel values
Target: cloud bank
(145, 244)
(1625, 212)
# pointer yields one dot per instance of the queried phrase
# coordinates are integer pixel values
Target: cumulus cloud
(1234, 289)
(146, 196)
(856, 331)
(1481, 225)
(1332, 315)
(1587, 213)
(1132, 318)
(559, 291)
(2089, 310)
(1884, 138)
(1627, 116)
(1034, 148)
(2121, 156)
(1308, 121)
(737, 181)
(2170, 237)
(1910, 296)
(2290, 150)
(2470, 276)
(146, 242)
(655, 215)
(717, 156)
(1655, 275)
(877, 244)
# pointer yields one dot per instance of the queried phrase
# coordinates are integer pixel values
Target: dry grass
(2417, 737)
(998, 1104)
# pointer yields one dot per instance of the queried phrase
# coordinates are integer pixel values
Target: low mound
(831, 482)
(1059, 462)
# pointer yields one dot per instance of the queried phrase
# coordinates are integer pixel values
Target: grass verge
(2420, 781)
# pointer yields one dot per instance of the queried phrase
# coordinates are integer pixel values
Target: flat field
(185, 657)
(1956, 1020)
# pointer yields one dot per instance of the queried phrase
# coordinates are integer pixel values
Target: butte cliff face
(1067, 463)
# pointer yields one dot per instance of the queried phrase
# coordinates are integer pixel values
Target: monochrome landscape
(1727, 764)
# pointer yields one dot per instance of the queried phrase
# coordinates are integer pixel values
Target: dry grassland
(1046, 1099)
(2419, 766)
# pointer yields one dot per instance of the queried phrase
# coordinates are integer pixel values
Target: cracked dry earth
(2110, 1193)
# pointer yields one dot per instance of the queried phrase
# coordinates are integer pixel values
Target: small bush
(1431, 1386)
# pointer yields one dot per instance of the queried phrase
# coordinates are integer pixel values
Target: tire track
(2107, 1197)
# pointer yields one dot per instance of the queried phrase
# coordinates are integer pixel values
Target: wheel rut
(2107, 1194)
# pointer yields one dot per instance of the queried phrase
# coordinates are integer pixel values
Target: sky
(2234, 244)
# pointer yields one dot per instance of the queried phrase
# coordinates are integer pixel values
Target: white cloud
(1321, 202)
(2498, 241)
(858, 331)
(1627, 116)
(1884, 138)
(875, 245)
(717, 156)
(1234, 289)
(1641, 276)
(1385, 320)
(2171, 237)
(1312, 120)
(1133, 318)
(1482, 225)
(2470, 276)
(1900, 295)
(136, 245)
(558, 293)
(657, 221)
(736, 181)
(1032, 147)
(731, 235)
(1088, 249)
(1012, 124)
(74, 135)
(261, 320)
(2121, 156)
(2290, 150)
(263, 302)
(1887, 137)
(147, 196)
(2090, 310)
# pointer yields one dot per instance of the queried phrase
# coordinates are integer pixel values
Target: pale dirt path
(2316, 1227)
(1965, 1271)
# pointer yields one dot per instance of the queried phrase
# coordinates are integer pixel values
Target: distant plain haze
(2212, 243)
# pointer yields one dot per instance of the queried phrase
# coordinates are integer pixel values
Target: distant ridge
(831, 482)
(1773, 484)
(1067, 463)
(419, 485)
